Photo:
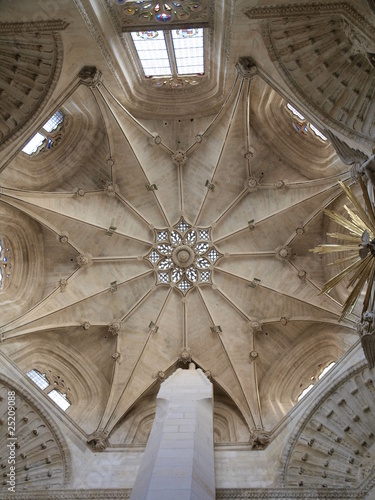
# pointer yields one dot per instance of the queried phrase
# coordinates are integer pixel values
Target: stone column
(178, 462)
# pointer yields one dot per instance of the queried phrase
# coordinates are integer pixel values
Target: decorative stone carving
(110, 162)
(302, 274)
(63, 283)
(216, 329)
(209, 185)
(185, 355)
(259, 439)
(84, 260)
(86, 325)
(253, 355)
(246, 67)
(39, 446)
(368, 168)
(64, 238)
(252, 183)
(98, 440)
(284, 320)
(161, 375)
(23, 98)
(179, 157)
(110, 188)
(283, 253)
(198, 138)
(249, 155)
(116, 356)
(80, 192)
(332, 61)
(115, 327)
(300, 230)
(280, 185)
(153, 327)
(360, 44)
(347, 155)
(157, 139)
(183, 256)
(366, 332)
(255, 325)
(90, 76)
(337, 437)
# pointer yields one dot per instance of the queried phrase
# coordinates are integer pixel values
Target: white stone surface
(179, 458)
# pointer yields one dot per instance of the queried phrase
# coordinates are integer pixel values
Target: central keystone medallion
(183, 256)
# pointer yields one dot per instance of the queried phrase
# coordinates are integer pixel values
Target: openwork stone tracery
(183, 256)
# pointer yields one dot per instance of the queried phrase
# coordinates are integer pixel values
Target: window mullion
(170, 49)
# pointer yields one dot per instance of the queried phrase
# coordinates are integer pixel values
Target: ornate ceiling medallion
(183, 256)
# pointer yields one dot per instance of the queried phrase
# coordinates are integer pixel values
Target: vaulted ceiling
(85, 299)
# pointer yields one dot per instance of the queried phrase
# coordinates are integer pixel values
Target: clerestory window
(41, 137)
(170, 53)
(302, 125)
(315, 379)
(5, 261)
(41, 380)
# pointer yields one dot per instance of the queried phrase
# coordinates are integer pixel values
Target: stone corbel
(259, 439)
(90, 76)
(98, 440)
(246, 67)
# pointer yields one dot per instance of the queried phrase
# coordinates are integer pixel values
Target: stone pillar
(178, 462)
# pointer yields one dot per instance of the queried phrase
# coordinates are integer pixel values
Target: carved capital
(98, 440)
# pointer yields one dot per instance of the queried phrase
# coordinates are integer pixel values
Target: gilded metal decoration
(359, 248)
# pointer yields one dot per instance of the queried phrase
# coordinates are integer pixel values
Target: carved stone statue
(368, 168)
(366, 332)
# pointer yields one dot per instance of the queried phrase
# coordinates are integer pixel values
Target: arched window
(302, 125)
(5, 261)
(41, 137)
(315, 379)
(41, 380)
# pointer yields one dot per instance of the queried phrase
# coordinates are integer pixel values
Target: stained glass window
(60, 399)
(38, 139)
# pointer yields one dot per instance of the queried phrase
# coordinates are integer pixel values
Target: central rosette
(183, 256)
